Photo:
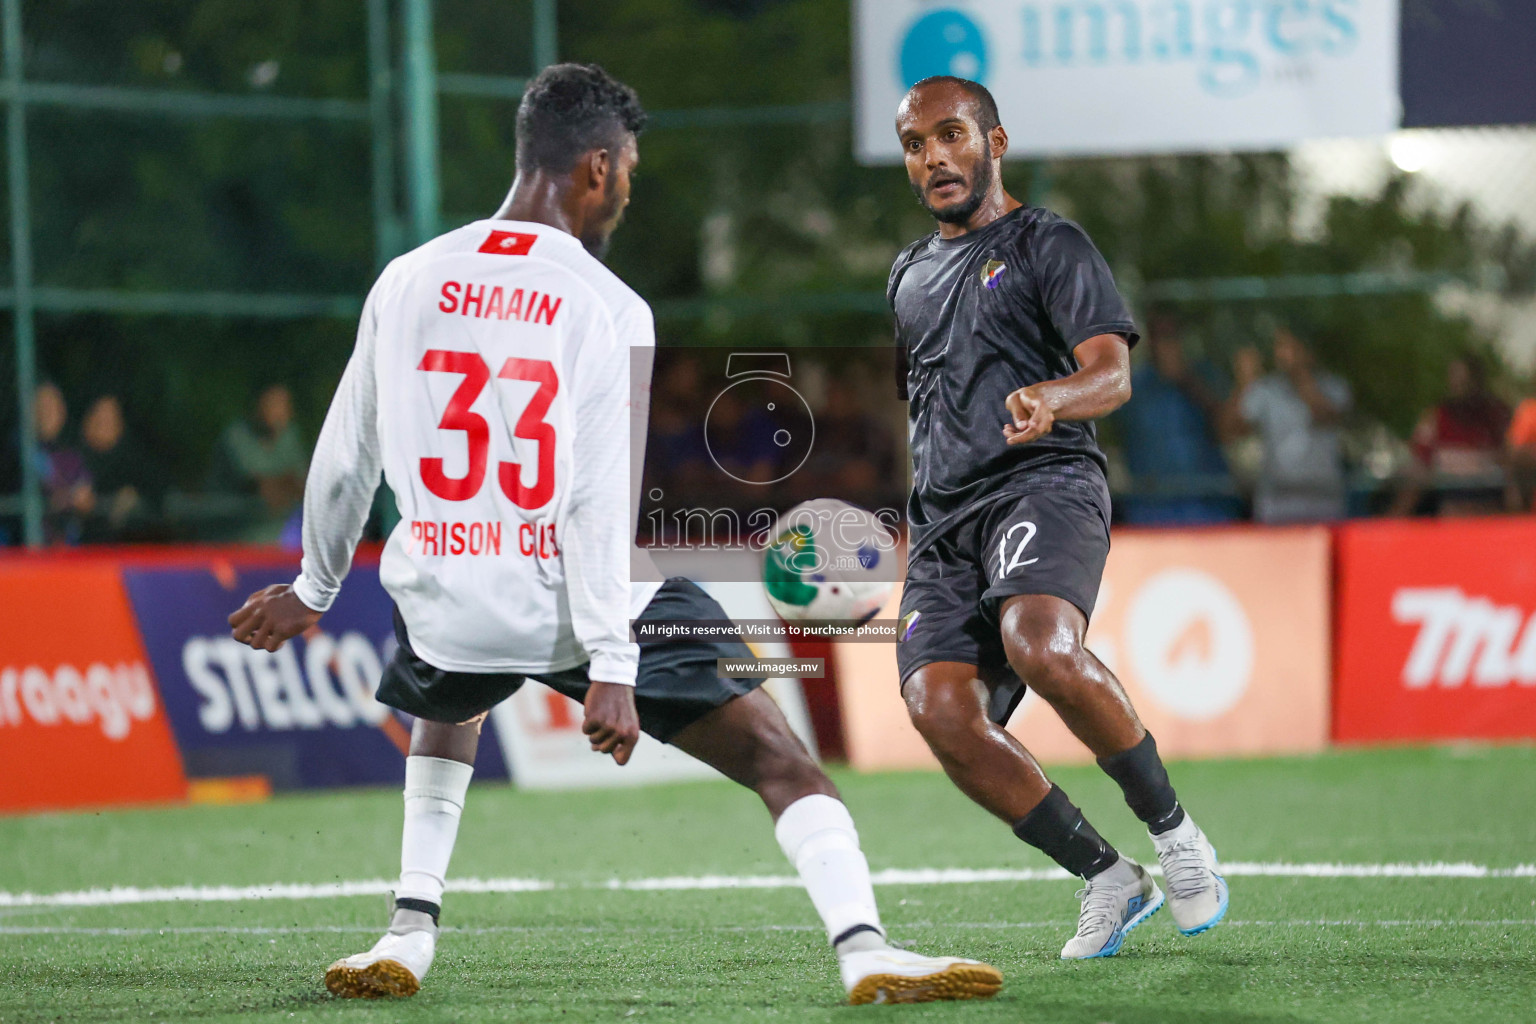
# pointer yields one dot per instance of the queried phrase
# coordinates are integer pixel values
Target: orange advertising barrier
(80, 717)
(1221, 638)
(1436, 630)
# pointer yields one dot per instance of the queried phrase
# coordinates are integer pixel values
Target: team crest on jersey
(992, 273)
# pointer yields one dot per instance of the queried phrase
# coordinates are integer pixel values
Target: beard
(597, 242)
(599, 235)
(966, 208)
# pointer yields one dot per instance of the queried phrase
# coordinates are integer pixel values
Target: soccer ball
(828, 561)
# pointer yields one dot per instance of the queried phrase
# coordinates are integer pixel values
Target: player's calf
(1043, 640)
(1119, 893)
(1197, 895)
(435, 789)
(748, 740)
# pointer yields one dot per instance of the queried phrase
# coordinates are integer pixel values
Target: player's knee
(1050, 666)
(944, 711)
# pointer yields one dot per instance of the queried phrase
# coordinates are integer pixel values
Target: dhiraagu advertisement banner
(1137, 76)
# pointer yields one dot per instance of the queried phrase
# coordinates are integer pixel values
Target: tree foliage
(135, 201)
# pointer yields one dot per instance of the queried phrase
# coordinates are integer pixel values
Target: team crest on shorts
(908, 624)
(992, 273)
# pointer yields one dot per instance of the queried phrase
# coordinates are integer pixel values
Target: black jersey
(978, 317)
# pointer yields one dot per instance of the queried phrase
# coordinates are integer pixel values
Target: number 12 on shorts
(1005, 565)
(459, 416)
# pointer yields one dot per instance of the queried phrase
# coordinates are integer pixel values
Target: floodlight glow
(1409, 152)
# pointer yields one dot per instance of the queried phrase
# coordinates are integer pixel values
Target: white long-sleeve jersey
(492, 384)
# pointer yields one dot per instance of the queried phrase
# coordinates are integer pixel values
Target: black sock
(425, 906)
(1144, 781)
(865, 936)
(1059, 830)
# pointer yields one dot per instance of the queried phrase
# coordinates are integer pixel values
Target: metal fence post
(546, 34)
(386, 225)
(21, 276)
(423, 182)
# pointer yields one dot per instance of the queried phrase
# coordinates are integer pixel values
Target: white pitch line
(123, 895)
(44, 930)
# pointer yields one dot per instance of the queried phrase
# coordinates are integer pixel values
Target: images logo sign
(943, 42)
(1229, 41)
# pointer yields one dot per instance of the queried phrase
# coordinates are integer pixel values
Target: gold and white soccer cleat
(897, 976)
(393, 967)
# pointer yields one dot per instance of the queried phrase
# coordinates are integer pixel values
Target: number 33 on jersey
(493, 368)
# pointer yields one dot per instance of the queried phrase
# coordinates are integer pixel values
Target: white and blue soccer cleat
(1197, 895)
(394, 966)
(1114, 902)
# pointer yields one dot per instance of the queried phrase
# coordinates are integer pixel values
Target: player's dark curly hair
(571, 109)
(987, 116)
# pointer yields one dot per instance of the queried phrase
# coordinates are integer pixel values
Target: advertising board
(1221, 639)
(81, 720)
(1436, 630)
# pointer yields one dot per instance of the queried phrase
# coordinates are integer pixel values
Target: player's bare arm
(271, 617)
(1098, 389)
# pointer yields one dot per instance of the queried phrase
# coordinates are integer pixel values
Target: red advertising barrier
(1436, 630)
(81, 720)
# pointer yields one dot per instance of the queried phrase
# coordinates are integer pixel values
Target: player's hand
(271, 617)
(1031, 414)
(611, 724)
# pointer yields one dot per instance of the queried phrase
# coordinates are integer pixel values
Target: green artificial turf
(1292, 949)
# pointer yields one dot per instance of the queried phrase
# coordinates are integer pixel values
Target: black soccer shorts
(676, 685)
(1052, 542)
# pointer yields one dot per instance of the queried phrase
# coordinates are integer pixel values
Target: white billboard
(1137, 76)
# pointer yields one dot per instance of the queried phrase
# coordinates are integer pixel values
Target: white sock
(434, 799)
(816, 833)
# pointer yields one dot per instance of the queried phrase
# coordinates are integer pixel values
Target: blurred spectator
(1458, 448)
(1296, 412)
(677, 461)
(854, 456)
(1521, 442)
(66, 483)
(1168, 433)
(264, 456)
(740, 435)
(120, 473)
